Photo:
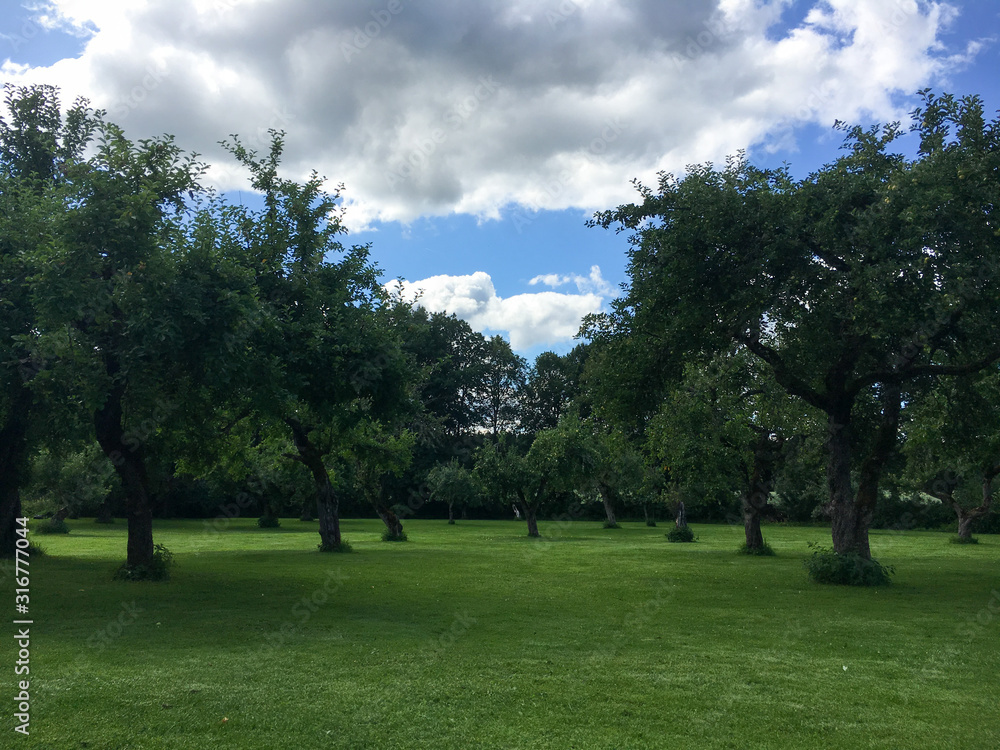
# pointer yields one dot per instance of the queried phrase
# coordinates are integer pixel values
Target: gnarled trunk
(766, 455)
(851, 514)
(847, 526)
(393, 525)
(681, 521)
(530, 511)
(609, 509)
(326, 499)
(968, 517)
(130, 465)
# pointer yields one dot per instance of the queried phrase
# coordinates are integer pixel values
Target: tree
(551, 468)
(725, 432)
(869, 274)
(376, 454)
(139, 304)
(325, 352)
(452, 358)
(598, 463)
(500, 388)
(551, 385)
(38, 149)
(453, 484)
(953, 446)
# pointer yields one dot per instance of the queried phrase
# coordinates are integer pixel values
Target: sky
(474, 139)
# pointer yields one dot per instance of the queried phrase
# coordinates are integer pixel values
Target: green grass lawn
(473, 636)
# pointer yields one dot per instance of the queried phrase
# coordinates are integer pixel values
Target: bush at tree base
(850, 569)
(680, 534)
(157, 570)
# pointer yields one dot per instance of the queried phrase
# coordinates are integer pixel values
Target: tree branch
(791, 383)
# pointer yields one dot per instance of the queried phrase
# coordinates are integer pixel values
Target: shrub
(680, 534)
(850, 569)
(964, 540)
(52, 526)
(765, 550)
(650, 522)
(157, 570)
(610, 525)
(388, 536)
(344, 547)
(268, 522)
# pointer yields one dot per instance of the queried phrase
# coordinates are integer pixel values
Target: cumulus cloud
(594, 283)
(445, 106)
(541, 318)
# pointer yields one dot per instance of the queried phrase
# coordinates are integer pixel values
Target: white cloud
(594, 283)
(549, 104)
(542, 318)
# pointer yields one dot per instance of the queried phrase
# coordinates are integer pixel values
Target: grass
(474, 636)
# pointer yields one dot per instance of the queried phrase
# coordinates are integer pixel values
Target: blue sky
(475, 139)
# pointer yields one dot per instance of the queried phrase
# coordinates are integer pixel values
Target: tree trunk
(681, 520)
(329, 519)
(327, 503)
(13, 459)
(965, 521)
(451, 513)
(851, 515)
(650, 520)
(766, 456)
(968, 517)
(530, 512)
(609, 509)
(392, 523)
(847, 526)
(127, 458)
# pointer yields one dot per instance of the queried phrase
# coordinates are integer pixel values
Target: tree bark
(126, 456)
(13, 459)
(851, 514)
(451, 513)
(968, 516)
(681, 521)
(766, 456)
(327, 504)
(392, 523)
(847, 527)
(609, 509)
(530, 515)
